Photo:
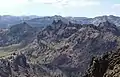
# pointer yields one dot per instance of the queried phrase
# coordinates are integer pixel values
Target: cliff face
(105, 66)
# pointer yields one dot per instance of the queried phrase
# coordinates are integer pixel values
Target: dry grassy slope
(8, 50)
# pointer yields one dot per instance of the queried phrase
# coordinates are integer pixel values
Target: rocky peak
(107, 24)
(109, 27)
(20, 27)
(56, 22)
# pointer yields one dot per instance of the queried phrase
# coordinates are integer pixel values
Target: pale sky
(77, 8)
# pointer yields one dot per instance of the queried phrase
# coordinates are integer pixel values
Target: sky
(75, 8)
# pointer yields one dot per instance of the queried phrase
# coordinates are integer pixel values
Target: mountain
(45, 21)
(66, 50)
(34, 21)
(37, 21)
(16, 34)
(61, 49)
(6, 20)
(96, 21)
(113, 19)
(72, 46)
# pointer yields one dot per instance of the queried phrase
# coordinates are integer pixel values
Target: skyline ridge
(60, 16)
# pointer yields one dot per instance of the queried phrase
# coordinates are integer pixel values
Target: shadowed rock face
(5, 68)
(11, 68)
(106, 66)
(98, 67)
(21, 60)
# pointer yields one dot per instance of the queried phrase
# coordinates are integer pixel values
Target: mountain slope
(16, 34)
(73, 43)
(37, 21)
(70, 47)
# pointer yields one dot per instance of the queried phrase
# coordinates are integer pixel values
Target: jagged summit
(107, 24)
(58, 22)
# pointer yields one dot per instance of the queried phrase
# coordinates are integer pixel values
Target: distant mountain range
(7, 20)
(37, 21)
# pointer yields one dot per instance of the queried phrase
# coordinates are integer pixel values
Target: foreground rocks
(17, 66)
(106, 66)
(14, 67)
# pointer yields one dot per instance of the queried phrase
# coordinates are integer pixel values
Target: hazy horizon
(58, 15)
(65, 8)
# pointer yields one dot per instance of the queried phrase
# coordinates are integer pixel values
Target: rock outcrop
(105, 66)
